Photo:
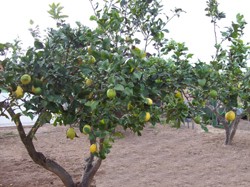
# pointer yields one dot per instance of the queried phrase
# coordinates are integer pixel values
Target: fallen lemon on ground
(25, 79)
(86, 126)
(150, 101)
(71, 133)
(18, 92)
(93, 148)
(147, 116)
(230, 116)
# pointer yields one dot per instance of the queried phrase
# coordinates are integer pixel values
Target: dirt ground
(161, 157)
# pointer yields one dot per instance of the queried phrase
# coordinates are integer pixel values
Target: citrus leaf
(119, 87)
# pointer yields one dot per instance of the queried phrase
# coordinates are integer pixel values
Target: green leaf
(137, 74)
(204, 128)
(128, 91)
(92, 105)
(118, 134)
(91, 137)
(38, 45)
(104, 55)
(86, 71)
(142, 116)
(104, 134)
(16, 116)
(119, 87)
(77, 88)
(106, 43)
(43, 104)
(104, 65)
(31, 22)
(93, 18)
(96, 133)
(190, 55)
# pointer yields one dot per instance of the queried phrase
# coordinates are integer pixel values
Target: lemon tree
(88, 78)
(224, 79)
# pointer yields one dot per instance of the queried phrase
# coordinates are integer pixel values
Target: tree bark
(235, 126)
(38, 157)
(89, 172)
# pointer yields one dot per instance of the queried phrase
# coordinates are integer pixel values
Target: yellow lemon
(25, 79)
(150, 101)
(18, 93)
(91, 60)
(147, 116)
(79, 61)
(178, 94)
(89, 82)
(93, 148)
(71, 133)
(33, 89)
(86, 126)
(230, 116)
(44, 81)
(89, 49)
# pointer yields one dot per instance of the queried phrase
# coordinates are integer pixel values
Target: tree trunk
(227, 135)
(231, 130)
(235, 126)
(38, 157)
(90, 171)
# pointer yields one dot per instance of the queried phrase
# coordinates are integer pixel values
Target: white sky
(193, 27)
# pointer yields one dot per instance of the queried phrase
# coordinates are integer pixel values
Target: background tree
(224, 80)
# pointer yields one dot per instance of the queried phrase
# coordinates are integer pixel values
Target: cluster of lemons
(26, 79)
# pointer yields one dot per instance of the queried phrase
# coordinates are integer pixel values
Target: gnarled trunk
(38, 157)
(90, 171)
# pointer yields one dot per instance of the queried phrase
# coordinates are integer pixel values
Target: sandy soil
(161, 157)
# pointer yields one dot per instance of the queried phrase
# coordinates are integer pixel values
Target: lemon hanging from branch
(25, 79)
(230, 116)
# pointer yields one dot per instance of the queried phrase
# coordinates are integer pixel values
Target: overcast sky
(193, 27)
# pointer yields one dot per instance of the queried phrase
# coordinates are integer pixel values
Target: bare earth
(161, 157)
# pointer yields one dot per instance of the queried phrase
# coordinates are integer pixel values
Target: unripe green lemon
(197, 119)
(111, 93)
(38, 91)
(213, 94)
(71, 133)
